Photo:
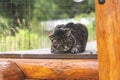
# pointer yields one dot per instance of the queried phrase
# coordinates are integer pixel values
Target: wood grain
(58, 69)
(10, 71)
(108, 39)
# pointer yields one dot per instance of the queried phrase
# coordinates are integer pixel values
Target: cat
(69, 38)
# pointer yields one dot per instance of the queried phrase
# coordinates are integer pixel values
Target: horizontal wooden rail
(58, 69)
(49, 56)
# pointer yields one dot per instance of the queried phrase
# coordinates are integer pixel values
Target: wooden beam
(108, 39)
(48, 56)
(10, 71)
(58, 69)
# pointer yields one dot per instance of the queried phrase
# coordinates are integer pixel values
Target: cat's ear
(51, 35)
(59, 32)
(69, 25)
(58, 27)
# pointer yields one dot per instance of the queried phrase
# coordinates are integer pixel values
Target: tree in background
(44, 9)
(57, 9)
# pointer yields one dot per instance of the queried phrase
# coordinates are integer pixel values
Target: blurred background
(26, 24)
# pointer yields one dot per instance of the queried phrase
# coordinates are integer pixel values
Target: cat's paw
(75, 50)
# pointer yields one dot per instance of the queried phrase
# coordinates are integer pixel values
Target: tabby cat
(69, 38)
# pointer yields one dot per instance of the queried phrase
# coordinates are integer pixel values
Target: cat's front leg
(55, 51)
(77, 49)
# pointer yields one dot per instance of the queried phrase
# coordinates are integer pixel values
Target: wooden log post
(108, 39)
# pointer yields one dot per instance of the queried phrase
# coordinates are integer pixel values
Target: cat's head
(60, 38)
(60, 32)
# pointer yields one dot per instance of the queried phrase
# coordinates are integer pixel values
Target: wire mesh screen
(26, 24)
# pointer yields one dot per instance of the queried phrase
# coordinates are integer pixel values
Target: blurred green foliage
(44, 9)
(57, 9)
(23, 41)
